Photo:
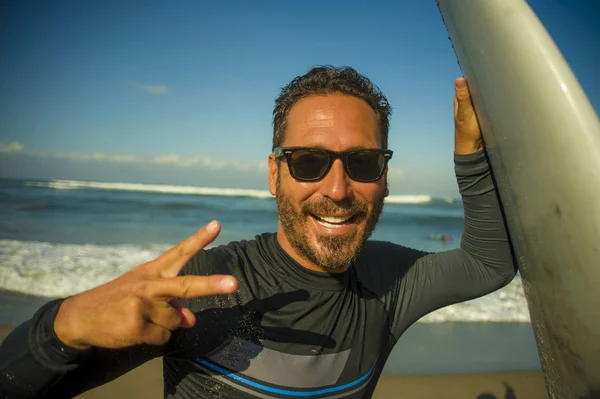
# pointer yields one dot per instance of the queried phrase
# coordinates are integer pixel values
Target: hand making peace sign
(140, 306)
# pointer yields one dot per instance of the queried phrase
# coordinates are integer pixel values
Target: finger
(164, 315)
(154, 334)
(186, 287)
(188, 319)
(171, 262)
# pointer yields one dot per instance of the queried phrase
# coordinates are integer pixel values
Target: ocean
(59, 237)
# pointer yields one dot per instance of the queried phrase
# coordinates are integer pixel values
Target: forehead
(334, 121)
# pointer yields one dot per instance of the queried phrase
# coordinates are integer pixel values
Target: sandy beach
(146, 382)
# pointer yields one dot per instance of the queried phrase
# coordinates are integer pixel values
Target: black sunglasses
(312, 164)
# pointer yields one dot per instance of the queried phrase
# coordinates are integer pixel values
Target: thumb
(463, 108)
(461, 89)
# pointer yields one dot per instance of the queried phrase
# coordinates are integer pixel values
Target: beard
(330, 252)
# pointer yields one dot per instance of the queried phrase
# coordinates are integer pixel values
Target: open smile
(336, 225)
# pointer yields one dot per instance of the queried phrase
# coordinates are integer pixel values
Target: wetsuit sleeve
(35, 363)
(483, 263)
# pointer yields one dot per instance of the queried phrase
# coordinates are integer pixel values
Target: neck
(299, 258)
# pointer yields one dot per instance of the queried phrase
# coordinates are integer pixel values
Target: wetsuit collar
(305, 277)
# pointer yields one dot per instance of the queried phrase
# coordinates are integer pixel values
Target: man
(313, 310)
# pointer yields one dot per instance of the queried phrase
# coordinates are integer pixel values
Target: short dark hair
(327, 79)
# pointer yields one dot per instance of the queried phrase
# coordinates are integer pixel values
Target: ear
(273, 171)
(387, 190)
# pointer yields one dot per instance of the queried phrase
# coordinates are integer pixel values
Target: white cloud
(100, 157)
(125, 158)
(202, 161)
(168, 159)
(205, 161)
(174, 159)
(153, 90)
(11, 147)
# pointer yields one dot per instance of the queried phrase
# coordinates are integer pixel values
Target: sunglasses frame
(333, 155)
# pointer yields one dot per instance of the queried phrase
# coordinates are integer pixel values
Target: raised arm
(76, 344)
(485, 260)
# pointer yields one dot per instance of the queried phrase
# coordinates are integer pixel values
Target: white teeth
(335, 220)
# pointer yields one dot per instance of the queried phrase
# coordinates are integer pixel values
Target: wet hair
(324, 80)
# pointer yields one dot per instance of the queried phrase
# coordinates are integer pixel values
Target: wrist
(467, 148)
(66, 328)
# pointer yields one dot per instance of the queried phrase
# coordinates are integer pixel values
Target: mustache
(330, 206)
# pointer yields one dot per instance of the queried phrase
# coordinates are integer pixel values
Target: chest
(295, 343)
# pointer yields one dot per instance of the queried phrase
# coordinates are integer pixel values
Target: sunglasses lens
(365, 166)
(308, 165)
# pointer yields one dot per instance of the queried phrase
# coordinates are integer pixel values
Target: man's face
(324, 224)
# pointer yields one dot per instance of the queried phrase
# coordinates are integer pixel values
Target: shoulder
(385, 252)
(382, 264)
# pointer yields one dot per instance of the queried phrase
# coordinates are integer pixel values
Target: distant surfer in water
(312, 310)
(440, 237)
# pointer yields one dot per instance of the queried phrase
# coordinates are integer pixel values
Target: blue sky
(182, 92)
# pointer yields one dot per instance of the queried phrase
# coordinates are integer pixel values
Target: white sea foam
(507, 304)
(152, 188)
(192, 190)
(57, 270)
(408, 199)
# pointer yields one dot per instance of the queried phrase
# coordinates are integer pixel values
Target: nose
(336, 184)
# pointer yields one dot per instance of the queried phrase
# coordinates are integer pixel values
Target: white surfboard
(543, 138)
